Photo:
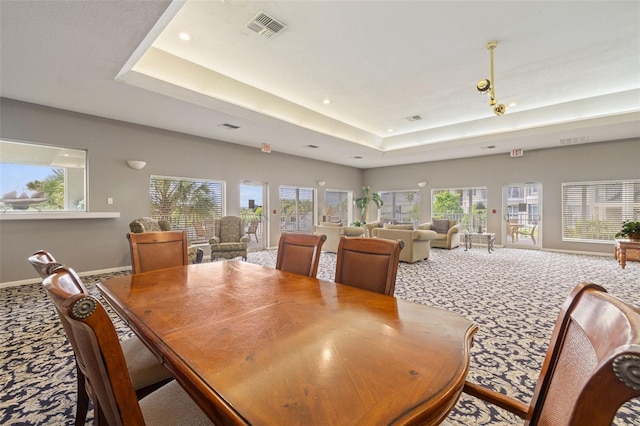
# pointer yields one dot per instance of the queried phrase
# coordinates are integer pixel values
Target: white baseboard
(587, 253)
(81, 274)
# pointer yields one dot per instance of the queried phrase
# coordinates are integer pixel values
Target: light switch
(109, 200)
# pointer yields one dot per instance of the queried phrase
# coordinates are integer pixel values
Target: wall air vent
(571, 141)
(265, 25)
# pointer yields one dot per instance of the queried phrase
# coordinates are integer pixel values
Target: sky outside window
(14, 177)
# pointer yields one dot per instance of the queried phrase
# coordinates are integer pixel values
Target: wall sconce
(321, 183)
(136, 164)
(423, 183)
(488, 86)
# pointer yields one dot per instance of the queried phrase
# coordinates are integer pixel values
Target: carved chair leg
(82, 405)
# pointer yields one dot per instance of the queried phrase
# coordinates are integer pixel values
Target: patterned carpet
(513, 295)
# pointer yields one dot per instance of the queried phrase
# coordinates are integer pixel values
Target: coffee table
(488, 237)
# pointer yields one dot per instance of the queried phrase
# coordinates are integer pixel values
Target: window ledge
(13, 215)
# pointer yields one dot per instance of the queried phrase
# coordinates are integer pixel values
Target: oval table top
(259, 346)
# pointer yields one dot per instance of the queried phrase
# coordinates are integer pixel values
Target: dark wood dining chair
(43, 262)
(146, 372)
(591, 367)
(299, 253)
(102, 362)
(158, 250)
(368, 263)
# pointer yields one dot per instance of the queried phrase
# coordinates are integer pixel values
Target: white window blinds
(181, 201)
(296, 209)
(338, 204)
(594, 211)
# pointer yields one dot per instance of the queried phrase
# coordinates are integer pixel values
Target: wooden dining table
(255, 345)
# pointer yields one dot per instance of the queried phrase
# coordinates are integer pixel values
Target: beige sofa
(448, 233)
(334, 231)
(416, 242)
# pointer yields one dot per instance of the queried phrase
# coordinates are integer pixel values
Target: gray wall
(95, 244)
(550, 167)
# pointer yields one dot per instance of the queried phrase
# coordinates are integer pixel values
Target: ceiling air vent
(265, 25)
(229, 126)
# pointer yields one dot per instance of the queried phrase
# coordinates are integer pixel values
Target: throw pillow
(10, 195)
(331, 224)
(440, 226)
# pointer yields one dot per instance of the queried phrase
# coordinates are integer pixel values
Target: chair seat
(229, 247)
(143, 366)
(171, 405)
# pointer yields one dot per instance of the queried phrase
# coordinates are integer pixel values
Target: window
(594, 211)
(183, 201)
(39, 177)
(338, 204)
(465, 205)
(400, 206)
(296, 209)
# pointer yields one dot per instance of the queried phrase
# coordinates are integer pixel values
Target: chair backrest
(253, 227)
(158, 250)
(368, 263)
(97, 349)
(44, 263)
(204, 228)
(148, 224)
(229, 229)
(592, 363)
(299, 253)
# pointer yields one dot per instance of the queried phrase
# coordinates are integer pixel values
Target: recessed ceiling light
(357, 157)
(185, 36)
(390, 130)
(312, 146)
(326, 101)
(512, 104)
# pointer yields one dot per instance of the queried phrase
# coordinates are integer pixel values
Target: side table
(626, 249)
(489, 237)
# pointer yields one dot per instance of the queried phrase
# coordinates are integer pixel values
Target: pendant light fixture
(488, 86)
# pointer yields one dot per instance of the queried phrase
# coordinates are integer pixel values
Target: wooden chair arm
(496, 398)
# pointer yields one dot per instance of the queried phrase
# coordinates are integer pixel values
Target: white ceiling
(572, 69)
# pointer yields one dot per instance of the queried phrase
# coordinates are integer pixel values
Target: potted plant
(630, 229)
(362, 203)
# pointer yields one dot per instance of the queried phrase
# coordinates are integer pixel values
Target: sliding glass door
(522, 222)
(253, 212)
(297, 207)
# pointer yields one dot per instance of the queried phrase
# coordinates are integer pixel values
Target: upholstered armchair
(229, 241)
(334, 231)
(416, 242)
(369, 227)
(449, 232)
(149, 224)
